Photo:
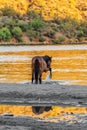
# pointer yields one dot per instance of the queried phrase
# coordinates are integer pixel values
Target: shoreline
(39, 43)
(42, 48)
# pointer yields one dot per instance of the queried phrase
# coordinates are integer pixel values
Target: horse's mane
(47, 58)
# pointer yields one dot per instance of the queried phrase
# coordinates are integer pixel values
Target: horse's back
(41, 61)
(37, 58)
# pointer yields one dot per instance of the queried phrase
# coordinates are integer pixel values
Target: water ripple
(13, 58)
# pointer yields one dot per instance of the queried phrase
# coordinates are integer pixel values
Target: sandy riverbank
(49, 93)
(29, 123)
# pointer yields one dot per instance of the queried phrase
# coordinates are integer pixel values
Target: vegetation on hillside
(50, 21)
(76, 9)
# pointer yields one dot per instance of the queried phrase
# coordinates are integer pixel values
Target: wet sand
(48, 93)
(29, 123)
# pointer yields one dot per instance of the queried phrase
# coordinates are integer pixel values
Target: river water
(69, 66)
(70, 115)
(69, 63)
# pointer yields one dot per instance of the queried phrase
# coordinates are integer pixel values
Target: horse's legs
(32, 79)
(40, 79)
(36, 78)
(32, 76)
(36, 81)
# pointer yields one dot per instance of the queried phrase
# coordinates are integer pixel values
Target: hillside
(60, 8)
(53, 21)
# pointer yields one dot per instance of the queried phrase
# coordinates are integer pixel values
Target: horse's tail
(36, 69)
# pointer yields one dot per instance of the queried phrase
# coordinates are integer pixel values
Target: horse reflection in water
(40, 64)
(41, 109)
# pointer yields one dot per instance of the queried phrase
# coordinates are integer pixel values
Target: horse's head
(49, 62)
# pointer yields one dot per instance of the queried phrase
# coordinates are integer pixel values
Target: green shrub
(31, 39)
(1, 25)
(23, 25)
(50, 34)
(72, 28)
(80, 33)
(69, 27)
(55, 41)
(82, 29)
(20, 39)
(35, 34)
(10, 23)
(31, 33)
(55, 28)
(5, 34)
(59, 40)
(41, 39)
(17, 32)
(36, 24)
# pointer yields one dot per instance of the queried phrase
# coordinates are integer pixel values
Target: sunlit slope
(19, 5)
(53, 8)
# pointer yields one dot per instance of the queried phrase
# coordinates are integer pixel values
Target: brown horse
(40, 64)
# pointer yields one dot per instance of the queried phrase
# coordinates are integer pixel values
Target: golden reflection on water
(66, 64)
(62, 113)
